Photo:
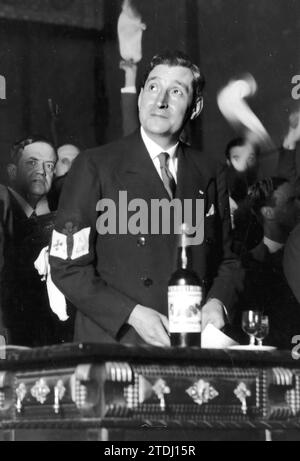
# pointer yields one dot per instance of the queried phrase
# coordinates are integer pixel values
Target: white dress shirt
(272, 246)
(41, 208)
(128, 90)
(154, 150)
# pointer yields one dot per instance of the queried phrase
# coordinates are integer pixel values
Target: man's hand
(152, 326)
(213, 312)
(293, 135)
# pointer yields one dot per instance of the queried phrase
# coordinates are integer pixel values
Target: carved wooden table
(107, 392)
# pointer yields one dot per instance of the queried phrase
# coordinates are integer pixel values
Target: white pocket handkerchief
(211, 211)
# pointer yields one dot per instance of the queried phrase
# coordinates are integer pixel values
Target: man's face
(243, 158)
(165, 101)
(285, 209)
(35, 169)
(66, 155)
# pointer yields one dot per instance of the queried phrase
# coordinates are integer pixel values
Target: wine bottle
(184, 301)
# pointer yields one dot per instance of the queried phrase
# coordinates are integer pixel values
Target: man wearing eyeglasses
(31, 174)
(27, 222)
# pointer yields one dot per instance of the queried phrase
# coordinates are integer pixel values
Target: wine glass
(250, 324)
(263, 329)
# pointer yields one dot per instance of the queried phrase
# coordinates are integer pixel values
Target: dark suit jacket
(6, 229)
(25, 312)
(287, 165)
(130, 119)
(121, 271)
(291, 262)
(10, 214)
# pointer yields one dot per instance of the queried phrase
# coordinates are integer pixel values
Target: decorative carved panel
(87, 14)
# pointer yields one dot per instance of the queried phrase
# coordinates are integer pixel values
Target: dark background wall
(79, 68)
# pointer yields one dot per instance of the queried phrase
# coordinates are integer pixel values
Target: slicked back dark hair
(238, 142)
(19, 146)
(262, 193)
(178, 58)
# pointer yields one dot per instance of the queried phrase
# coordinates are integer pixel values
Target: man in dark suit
(26, 225)
(5, 224)
(118, 281)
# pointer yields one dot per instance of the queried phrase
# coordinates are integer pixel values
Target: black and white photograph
(149, 223)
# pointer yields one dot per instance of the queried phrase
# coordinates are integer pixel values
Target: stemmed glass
(250, 324)
(263, 329)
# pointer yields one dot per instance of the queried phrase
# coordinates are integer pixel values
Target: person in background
(30, 174)
(66, 155)
(273, 201)
(242, 160)
(5, 218)
(68, 152)
(291, 260)
(287, 164)
(27, 223)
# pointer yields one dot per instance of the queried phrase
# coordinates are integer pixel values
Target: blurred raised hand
(130, 32)
(234, 107)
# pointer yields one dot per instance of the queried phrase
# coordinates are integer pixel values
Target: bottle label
(185, 309)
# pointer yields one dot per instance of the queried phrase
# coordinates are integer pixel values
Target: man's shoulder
(111, 152)
(208, 163)
(295, 232)
(5, 202)
(293, 242)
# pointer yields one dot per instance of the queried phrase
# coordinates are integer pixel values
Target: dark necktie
(33, 214)
(168, 180)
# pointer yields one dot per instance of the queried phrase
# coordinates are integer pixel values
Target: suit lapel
(138, 176)
(192, 179)
(137, 173)
(192, 182)
(17, 210)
